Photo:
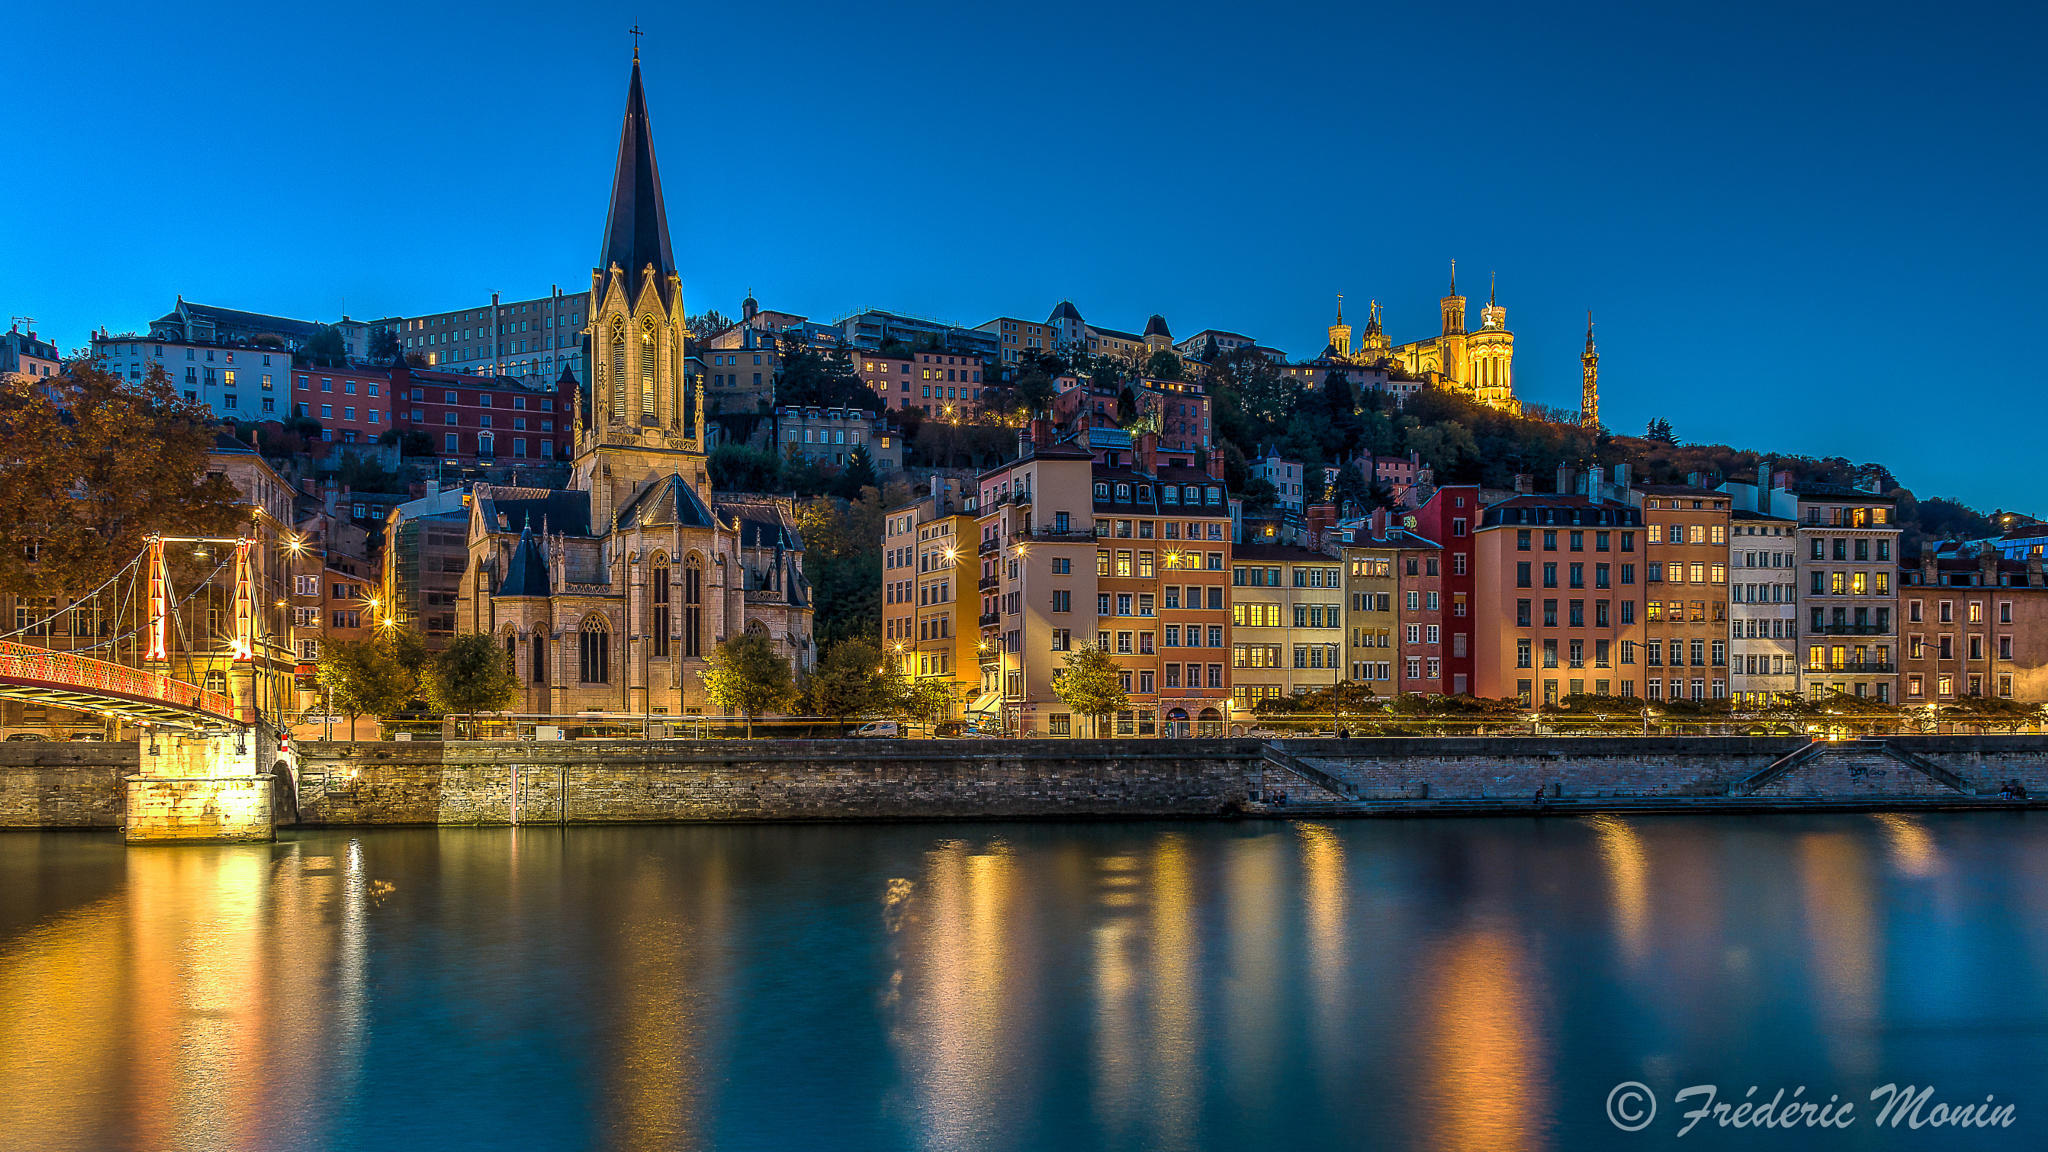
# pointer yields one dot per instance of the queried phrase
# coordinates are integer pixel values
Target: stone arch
(693, 604)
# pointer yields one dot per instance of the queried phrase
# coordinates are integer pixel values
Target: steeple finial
(1340, 307)
(1454, 277)
(1589, 329)
(1491, 277)
(634, 31)
(636, 226)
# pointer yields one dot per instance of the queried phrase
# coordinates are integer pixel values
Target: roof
(1066, 311)
(1834, 492)
(636, 227)
(236, 318)
(1745, 514)
(1679, 490)
(1156, 326)
(546, 509)
(763, 521)
(526, 574)
(665, 500)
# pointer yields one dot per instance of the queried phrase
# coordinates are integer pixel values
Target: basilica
(610, 594)
(1479, 363)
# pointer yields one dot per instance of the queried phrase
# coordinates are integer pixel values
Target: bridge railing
(86, 675)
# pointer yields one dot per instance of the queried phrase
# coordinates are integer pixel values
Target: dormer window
(1145, 492)
(1102, 490)
(1170, 494)
(1215, 495)
(1123, 493)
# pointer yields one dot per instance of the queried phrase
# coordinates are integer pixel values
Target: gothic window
(618, 368)
(661, 618)
(693, 605)
(540, 656)
(594, 652)
(647, 358)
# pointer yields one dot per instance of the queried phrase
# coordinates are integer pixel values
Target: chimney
(1318, 518)
(1524, 483)
(1696, 479)
(1927, 565)
(1379, 523)
(1215, 463)
(1781, 479)
(1763, 484)
(1622, 476)
(1564, 479)
(1987, 565)
(2033, 571)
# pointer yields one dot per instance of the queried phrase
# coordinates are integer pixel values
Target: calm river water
(1439, 984)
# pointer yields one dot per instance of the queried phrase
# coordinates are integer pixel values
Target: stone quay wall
(69, 784)
(504, 782)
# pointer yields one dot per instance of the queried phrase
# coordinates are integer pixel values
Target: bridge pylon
(206, 786)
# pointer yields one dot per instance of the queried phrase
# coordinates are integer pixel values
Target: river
(1424, 984)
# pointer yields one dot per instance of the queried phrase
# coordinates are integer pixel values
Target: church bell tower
(641, 415)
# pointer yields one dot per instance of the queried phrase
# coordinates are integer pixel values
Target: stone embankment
(512, 782)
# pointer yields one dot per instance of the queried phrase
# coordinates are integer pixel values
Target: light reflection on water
(1412, 984)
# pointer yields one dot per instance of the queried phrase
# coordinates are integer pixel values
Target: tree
(325, 348)
(1035, 391)
(473, 674)
(709, 322)
(738, 468)
(93, 469)
(1091, 684)
(854, 679)
(410, 441)
(843, 561)
(928, 702)
(858, 474)
(363, 677)
(746, 675)
(1660, 431)
(825, 379)
(1164, 364)
(384, 346)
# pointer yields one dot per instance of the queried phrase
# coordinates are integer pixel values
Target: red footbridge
(88, 685)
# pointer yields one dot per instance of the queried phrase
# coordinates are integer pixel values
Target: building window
(594, 652)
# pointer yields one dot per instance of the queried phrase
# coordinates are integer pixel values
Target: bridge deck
(109, 689)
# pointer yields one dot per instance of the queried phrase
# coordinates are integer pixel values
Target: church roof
(764, 522)
(526, 574)
(665, 500)
(636, 228)
(547, 510)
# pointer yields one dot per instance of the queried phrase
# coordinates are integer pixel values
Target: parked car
(879, 728)
(88, 735)
(25, 736)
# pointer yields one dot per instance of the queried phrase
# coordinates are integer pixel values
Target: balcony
(1850, 630)
(990, 583)
(992, 544)
(990, 619)
(1854, 668)
(1052, 536)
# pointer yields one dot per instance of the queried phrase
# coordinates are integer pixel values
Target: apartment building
(484, 419)
(1558, 598)
(1685, 591)
(832, 435)
(234, 381)
(1015, 337)
(889, 377)
(1449, 519)
(1286, 478)
(869, 331)
(426, 552)
(352, 405)
(1375, 555)
(1105, 547)
(1286, 623)
(24, 354)
(931, 570)
(534, 339)
(1848, 561)
(1763, 608)
(1973, 626)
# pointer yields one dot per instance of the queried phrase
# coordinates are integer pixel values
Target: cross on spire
(634, 32)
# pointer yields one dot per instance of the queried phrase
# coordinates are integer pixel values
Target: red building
(484, 418)
(353, 405)
(1449, 518)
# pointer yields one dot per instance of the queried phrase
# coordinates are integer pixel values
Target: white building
(1763, 608)
(1283, 475)
(237, 382)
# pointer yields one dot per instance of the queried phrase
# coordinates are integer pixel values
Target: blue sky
(1800, 229)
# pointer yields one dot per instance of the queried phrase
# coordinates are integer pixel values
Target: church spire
(636, 228)
(1454, 277)
(1589, 390)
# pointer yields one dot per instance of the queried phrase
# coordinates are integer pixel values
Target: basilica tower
(1340, 333)
(639, 417)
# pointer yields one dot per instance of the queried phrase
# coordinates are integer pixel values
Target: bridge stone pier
(214, 786)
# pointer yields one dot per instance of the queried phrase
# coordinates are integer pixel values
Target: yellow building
(1286, 623)
(929, 614)
(1479, 363)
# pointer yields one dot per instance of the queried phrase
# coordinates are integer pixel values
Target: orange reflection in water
(959, 1004)
(1627, 867)
(1486, 1070)
(1841, 938)
(171, 1016)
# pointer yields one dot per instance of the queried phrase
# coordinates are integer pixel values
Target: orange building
(1974, 626)
(1685, 592)
(1558, 599)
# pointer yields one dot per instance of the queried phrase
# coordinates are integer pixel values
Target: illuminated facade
(611, 595)
(1478, 363)
(929, 615)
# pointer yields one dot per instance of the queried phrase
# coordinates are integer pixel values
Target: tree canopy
(80, 496)
(745, 675)
(1091, 684)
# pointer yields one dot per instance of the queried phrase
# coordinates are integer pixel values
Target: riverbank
(638, 781)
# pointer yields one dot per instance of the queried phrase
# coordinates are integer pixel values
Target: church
(610, 594)
(1479, 363)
